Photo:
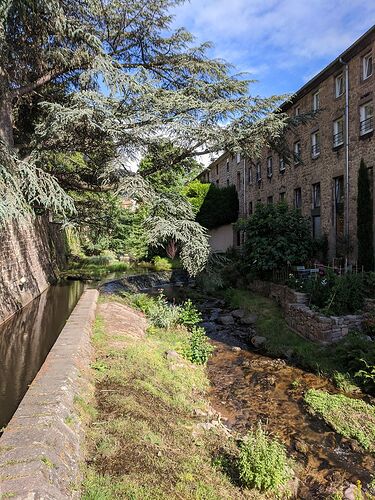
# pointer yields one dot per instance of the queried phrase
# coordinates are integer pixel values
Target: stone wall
(303, 320)
(30, 254)
(41, 452)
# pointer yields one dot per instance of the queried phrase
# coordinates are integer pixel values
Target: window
(339, 206)
(208, 176)
(339, 85)
(217, 169)
(297, 111)
(315, 144)
(227, 182)
(366, 118)
(367, 66)
(316, 226)
(297, 198)
(316, 101)
(250, 208)
(297, 152)
(270, 200)
(259, 172)
(316, 195)
(338, 132)
(228, 165)
(238, 157)
(250, 175)
(238, 238)
(282, 164)
(269, 167)
(217, 182)
(238, 181)
(282, 197)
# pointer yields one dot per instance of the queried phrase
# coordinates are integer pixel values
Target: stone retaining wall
(40, 450)
(30, 253)
(303, 320)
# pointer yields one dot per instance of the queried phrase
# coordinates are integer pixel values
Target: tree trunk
(6, 122)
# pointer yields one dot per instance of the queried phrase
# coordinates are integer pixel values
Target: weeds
(197, 349)
(263, 463)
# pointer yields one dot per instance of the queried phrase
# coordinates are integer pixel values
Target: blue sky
(280, 43)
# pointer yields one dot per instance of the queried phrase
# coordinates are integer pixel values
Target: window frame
(316, 101)
(365, 60)
(238, 158)
(298, 191)
(316, 195)
(281, 164)
(338, 78)
(258, 171)
(363, 118)
(269, 167)
(315, 144)
(337, 132)
(297, 156)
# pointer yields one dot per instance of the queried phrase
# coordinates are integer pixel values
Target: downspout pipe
(244, 188)
(346, 149)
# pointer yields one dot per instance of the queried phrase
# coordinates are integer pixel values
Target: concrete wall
(221, 238)
(30, 253)
(41, 452)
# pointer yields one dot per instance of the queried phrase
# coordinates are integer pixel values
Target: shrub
(275, 236)
(197, 349)
(189, 315)
(263, 463)
(226, 199)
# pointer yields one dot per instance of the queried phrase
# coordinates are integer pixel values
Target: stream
(27, 337)
(248, 387)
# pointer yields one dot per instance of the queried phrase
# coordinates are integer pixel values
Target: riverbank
(153, 434)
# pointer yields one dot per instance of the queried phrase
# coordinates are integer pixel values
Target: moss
(352, 418)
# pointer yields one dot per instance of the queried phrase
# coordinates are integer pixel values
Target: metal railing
(315, 150)
(338, 138)
(366, 125)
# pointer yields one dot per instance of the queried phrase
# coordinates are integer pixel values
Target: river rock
(226, 319)
(172, 355)
(301, 446)
(209, 326)
(249, 319)
(258, 341)
(238, 313)
(236, 349)
(351, 492)
(215, 313)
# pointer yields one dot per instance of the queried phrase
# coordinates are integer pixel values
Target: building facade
(321, 179)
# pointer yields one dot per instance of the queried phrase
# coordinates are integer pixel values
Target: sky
(280, 43)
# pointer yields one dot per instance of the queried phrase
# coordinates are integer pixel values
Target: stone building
(321, 180)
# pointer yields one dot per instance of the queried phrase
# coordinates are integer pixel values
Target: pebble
(236, 349)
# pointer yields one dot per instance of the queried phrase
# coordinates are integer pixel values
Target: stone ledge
(40, 450)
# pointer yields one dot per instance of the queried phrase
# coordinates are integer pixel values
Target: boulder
(351, 492)
(258, 341)
(226, 319)
(215, 313)
(238, 313)
(209, 326)
(249, 319)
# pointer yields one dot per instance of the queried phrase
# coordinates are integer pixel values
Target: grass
(143, 441)
(331, 360)
(352, 418)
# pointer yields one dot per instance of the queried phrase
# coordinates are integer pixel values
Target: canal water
(26, 339)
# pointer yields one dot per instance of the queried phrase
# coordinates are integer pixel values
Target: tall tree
(108, 79)
(365, 232)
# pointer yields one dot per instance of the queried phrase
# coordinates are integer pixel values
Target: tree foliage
(276, 235)
(220, 207)
(108, 80)
(365, 231)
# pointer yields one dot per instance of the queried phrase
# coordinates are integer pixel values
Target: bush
(220, 207)
(276, 235)
(197, 349)
(336, 295)
(263, 463)
(189, 315)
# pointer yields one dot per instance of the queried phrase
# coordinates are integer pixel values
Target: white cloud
(262, 36)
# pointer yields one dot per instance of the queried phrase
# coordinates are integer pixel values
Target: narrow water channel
(26, 339)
